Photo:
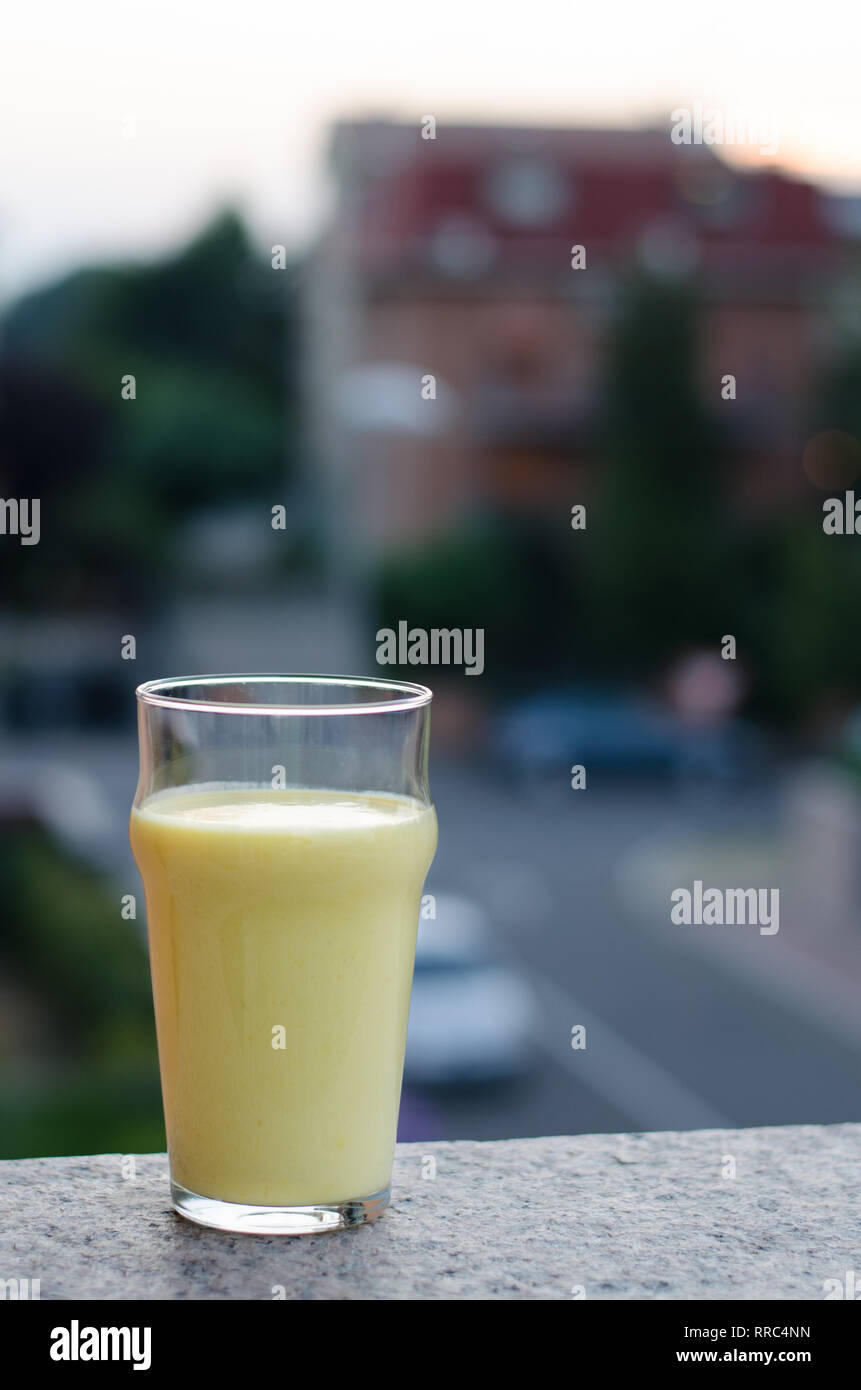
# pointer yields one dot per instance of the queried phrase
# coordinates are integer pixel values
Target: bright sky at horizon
(123, 129)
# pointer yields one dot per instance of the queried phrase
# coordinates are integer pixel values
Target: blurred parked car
(472, 1015)
(618, 732)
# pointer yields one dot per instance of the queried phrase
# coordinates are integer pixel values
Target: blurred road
(673, 1041)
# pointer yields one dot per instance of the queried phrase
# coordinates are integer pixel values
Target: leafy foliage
(205, 335)
(86, 1066)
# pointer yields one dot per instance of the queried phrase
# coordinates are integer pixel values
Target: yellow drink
(282, 928)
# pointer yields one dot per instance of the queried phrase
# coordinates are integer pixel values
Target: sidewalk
(813, 964)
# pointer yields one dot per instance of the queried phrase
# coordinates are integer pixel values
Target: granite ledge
(618, 1216)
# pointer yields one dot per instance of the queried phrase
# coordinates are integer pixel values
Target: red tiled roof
(614, 184)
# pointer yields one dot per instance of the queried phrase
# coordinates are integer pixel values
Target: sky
(123, 128)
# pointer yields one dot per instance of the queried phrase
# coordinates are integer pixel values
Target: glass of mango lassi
(283, 829)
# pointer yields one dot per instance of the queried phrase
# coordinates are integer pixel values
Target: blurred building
(451, 257)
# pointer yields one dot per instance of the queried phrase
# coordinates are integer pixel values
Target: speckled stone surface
(600, 1216)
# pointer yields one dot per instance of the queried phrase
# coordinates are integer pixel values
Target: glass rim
(402, 695)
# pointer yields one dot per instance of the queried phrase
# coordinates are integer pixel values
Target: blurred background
(281, 233)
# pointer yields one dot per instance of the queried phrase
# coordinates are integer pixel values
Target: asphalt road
(672, 1040)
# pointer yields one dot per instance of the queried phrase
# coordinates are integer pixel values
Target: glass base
(242, 1219)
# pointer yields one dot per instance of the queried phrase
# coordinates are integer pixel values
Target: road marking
(621, 1074)
(785, 975)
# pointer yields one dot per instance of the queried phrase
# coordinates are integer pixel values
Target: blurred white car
(472, 1015)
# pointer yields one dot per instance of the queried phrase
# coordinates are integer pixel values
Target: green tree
(205, 333)
(659, 541)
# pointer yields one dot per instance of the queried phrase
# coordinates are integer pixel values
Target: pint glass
(283, 829)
